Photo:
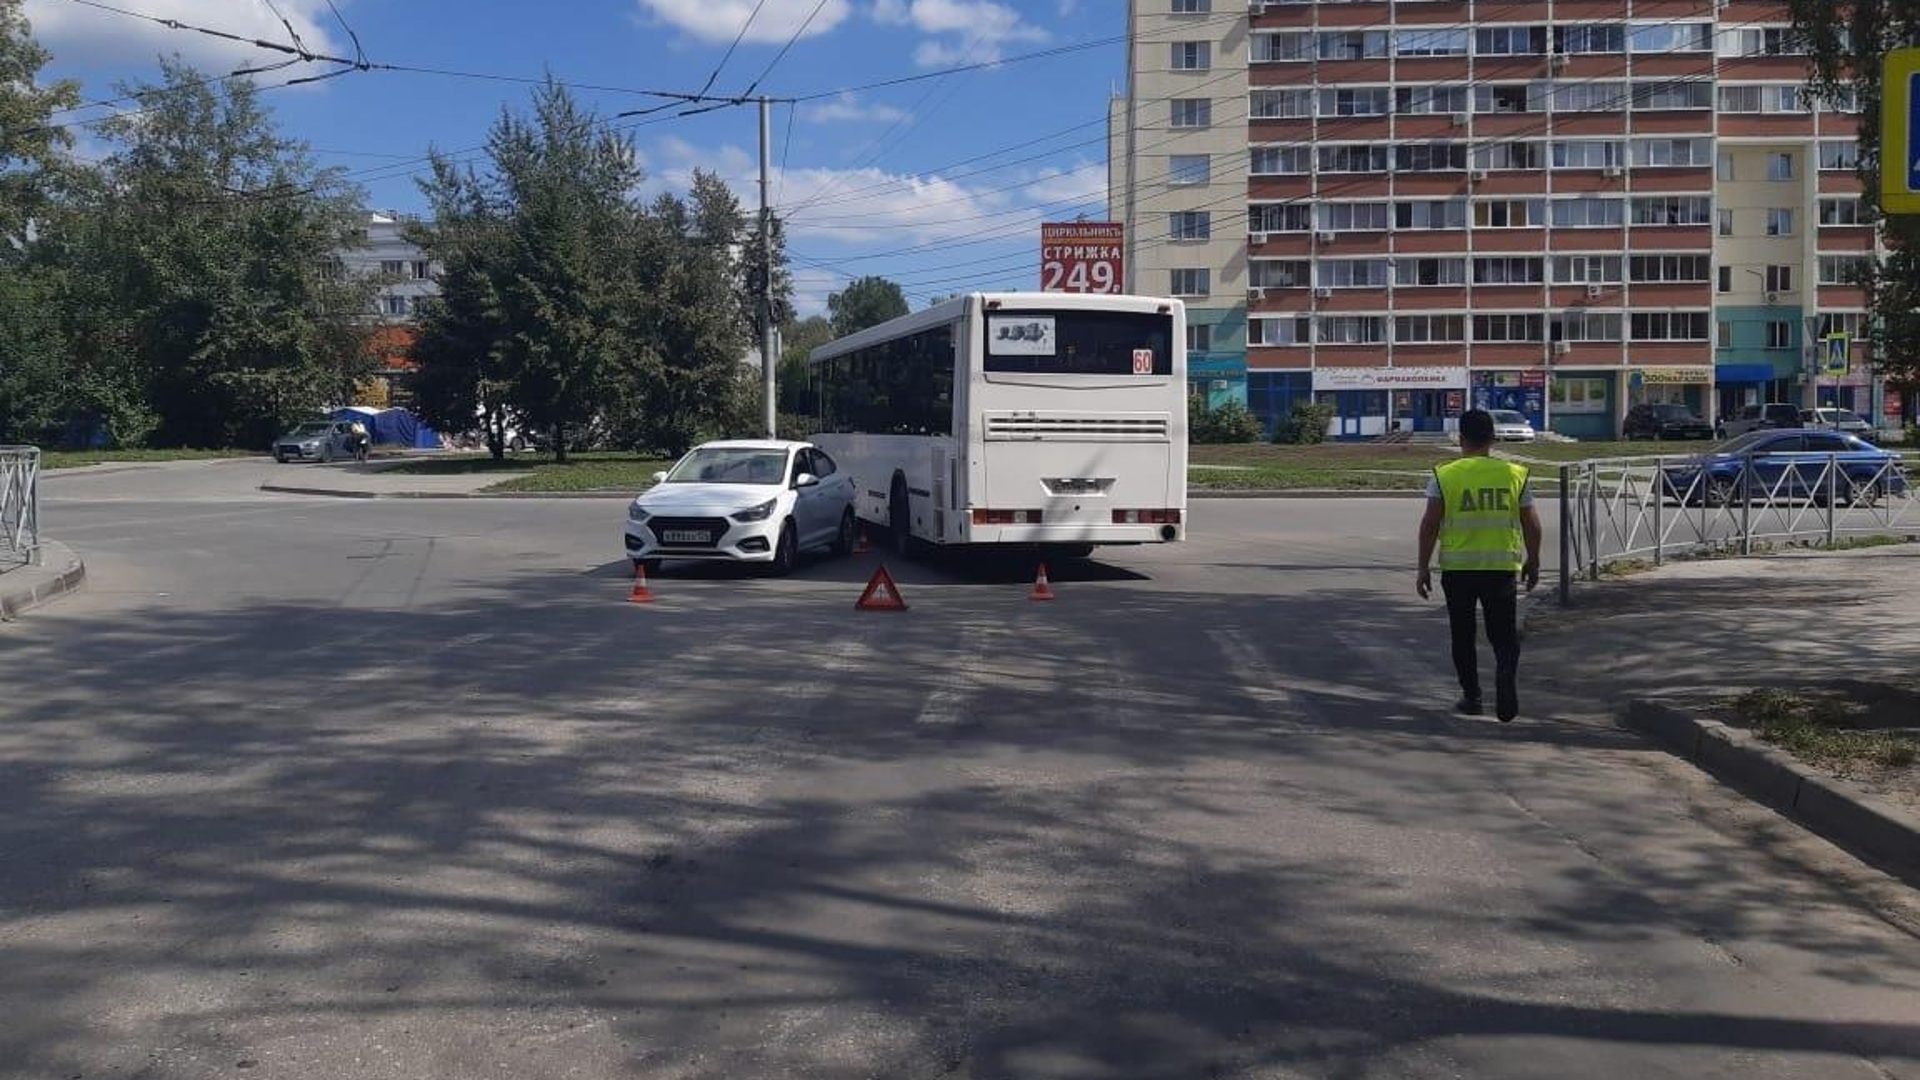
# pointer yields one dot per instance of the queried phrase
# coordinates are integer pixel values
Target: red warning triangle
(881, 594)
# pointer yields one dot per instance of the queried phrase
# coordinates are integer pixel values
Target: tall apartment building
(406, 277)
(1406, 207)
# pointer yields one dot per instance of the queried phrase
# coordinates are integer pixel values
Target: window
(1838, 155)
(1509, 40)
(393, 268)
(1192, 56)
(1367, 101)
(1772, 98)
(1199, 338)
(1586, 269)
(1779, 279)
(1511, 155)
(1506, 271)
(422, 269)
(1282, 217)
(1507, 327)
(1430, 43)
(1725, 220)
(1353, 159)
(1410, 273)
(1352, 273)
(1279, 273)
(1352, 329)
(1660, 268)
(1671, 38)
(1587, 326)
(1354, 216)
(1569, 395)
(1428, 100)
(1780, 222)
(1273, 48)
(1723, 168)
(1192, 7)
(1668, 326)
(1508, 99)
(1426, 329)
(1588, 154)
(903, 386)
(1508, 214)
(1352, 44)
(1189, 282)
(1845, 269)
(1296, 330)
(1281, 104)
(1589, 97)
(1442, 214)
(1779, 334)
(1851, 323)
(1188, 169)
(1674, 152)
(396, 305)
(1672, 210)
(1725, 276)
(1590, 39)
(1668, 94)
(1429, 157)
(1280, 161)
(1779, 166)
(1845, 99)
(1191, 113)
(1189, 225)
(1757, 41)
(1841, 211)
(1723, 334)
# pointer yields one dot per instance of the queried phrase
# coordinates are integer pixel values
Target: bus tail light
(1146, 517)
(1006, 517)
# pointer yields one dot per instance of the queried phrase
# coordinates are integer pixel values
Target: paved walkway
(376, 479)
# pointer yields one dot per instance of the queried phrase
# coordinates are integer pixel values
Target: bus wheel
(900, 518)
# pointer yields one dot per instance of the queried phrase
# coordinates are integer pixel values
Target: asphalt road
(317, 789)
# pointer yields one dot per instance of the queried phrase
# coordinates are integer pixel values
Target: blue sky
(938, 184)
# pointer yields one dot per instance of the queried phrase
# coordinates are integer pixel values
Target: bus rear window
(1079, 343)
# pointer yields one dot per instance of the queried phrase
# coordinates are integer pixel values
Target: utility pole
(767, 359)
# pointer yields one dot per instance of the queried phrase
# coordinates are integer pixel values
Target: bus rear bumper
(1075, 534)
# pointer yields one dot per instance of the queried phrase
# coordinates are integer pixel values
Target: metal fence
(19, 506)
(1654, 508)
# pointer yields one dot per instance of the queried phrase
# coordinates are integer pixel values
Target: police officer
(1480, 515)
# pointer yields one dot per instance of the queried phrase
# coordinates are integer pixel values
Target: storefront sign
(1082, 256)
(1393, 378)
(1668, 376)
(1893, 404)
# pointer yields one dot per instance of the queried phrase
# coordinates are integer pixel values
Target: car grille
(674, 531)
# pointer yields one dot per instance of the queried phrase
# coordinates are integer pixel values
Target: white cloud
(981, 29)
(719, 21)
(847, 109)
(88, 35)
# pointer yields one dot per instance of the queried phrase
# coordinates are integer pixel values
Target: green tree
(1847, 43)
(867, 301)
(460, 377)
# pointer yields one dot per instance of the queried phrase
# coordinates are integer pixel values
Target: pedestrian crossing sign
(1834, 356)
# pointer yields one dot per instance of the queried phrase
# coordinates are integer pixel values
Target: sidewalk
(23, 588)
(1661, 649)
(373, 480)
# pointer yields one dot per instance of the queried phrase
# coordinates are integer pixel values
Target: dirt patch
(1863, 730)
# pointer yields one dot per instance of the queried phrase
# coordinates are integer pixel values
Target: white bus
(1056, 420)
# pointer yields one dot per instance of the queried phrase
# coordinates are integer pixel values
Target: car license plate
(685, 536)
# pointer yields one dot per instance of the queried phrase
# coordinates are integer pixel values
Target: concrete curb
(351, 493)
(1870, 827)
(17, 601)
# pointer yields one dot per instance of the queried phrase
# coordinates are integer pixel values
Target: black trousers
(1497, 592)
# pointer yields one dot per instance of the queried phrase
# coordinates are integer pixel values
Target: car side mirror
(659, 478)
(805, 479)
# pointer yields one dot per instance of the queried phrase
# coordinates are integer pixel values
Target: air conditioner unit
(1461, 119)
(1593, 292)
(1610, 171)
(1773, 298)
(1562, 348)
(1326, 237)
(1477, 175)
(1558, 60)
(1257, 238)
(1324, 292)
(1256, 293)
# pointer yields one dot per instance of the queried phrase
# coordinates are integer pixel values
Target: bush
(1307, 424)
(1230, 423)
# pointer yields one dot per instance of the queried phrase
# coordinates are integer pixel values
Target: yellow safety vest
(1481, 528)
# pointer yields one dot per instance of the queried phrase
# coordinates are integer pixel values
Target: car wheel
(786, 552)
(844, 539)
(517, 444)
(1722, 491)
(900, 518)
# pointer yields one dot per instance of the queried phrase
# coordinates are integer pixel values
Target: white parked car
(1511, 426)
(1836, 420)
(756, 501)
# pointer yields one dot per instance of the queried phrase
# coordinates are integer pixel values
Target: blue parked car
(1787, 464)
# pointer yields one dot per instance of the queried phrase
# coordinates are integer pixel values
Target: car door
(806, 500)
(1828, 446)
(1775, 466)
(836, 491)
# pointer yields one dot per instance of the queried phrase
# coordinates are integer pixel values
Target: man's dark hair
(1476, 428)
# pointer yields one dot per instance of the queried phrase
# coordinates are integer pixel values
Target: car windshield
(1508, 416)
(1839, 416)
(313, 429)
(1752, 440)
(730, 465)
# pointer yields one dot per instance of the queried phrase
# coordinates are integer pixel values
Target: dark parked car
(1786, 465)
(1663, 421)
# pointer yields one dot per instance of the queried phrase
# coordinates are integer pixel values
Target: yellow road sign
(1900, 132)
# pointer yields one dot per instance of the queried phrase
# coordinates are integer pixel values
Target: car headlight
(636, 512)
(310, 446)
(756, 513)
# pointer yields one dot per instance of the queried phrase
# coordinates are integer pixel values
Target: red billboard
(1082, 256)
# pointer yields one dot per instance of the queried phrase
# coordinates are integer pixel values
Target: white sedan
(757, 501)
(1512, 426)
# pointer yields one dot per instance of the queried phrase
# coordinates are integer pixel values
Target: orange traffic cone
(881, 594)
(640, 594)
(1041, 589)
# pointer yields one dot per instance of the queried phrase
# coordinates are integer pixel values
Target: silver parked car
(318, 440)
(1836, 420)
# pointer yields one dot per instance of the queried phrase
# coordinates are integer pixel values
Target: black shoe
(1506, 699)
(1467, 706)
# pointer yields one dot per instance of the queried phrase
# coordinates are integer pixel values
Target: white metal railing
(1654, 507)
(19, 506)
